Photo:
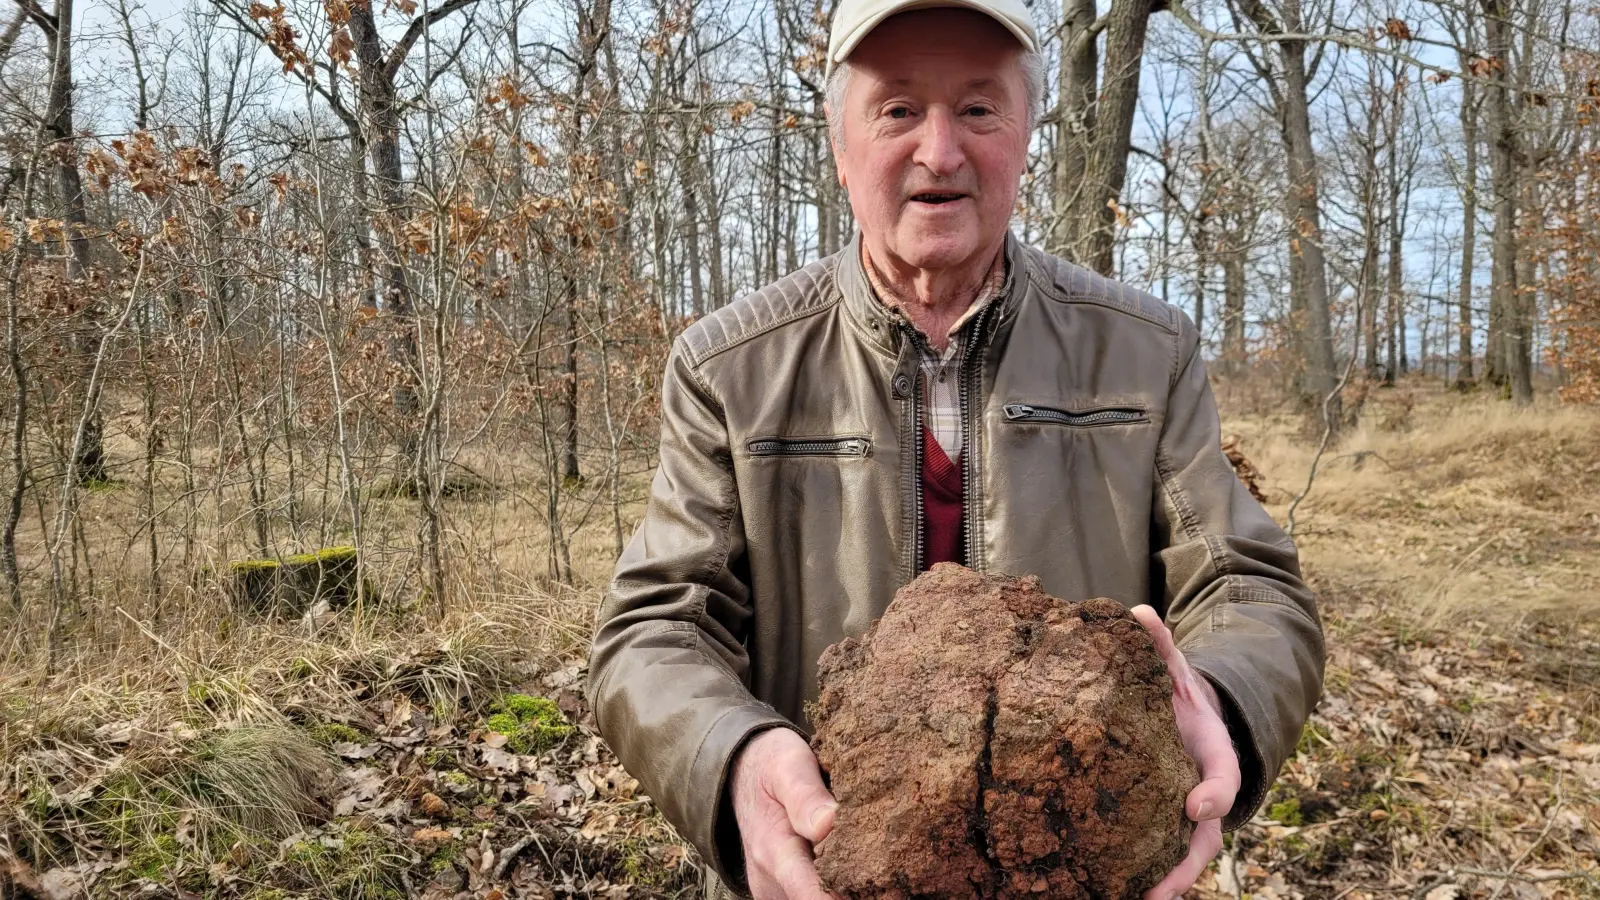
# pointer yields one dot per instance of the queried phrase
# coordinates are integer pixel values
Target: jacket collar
(880, 326)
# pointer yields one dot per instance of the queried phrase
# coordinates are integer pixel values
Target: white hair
(1033, 77)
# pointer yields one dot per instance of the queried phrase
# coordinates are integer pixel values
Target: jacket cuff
(1248, 726)
(712, 810)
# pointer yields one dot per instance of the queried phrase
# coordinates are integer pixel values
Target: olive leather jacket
(785, 513)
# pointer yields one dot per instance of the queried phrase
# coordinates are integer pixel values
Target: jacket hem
(1257, 774)
(713, 765)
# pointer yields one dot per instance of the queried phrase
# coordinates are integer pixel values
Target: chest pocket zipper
(848, 447)
(1087, 418)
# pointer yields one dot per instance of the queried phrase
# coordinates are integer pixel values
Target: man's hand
(1205, 737)
(782, 809)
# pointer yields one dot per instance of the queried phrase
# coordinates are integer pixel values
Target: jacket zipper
(917, 548)
(1088, 418)
(848, 447)
(972, 350)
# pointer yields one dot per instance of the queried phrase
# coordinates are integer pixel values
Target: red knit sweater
(942, 495)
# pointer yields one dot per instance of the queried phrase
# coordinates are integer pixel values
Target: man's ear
(838, 168)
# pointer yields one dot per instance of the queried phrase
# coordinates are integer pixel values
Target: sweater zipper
(1088, 418)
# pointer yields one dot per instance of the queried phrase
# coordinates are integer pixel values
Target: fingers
(1151, 620)
(1211, 799)
(797, 784)
(1203, 848)
(795, 872)
(1220, 778)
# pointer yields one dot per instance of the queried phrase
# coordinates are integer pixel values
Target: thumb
(809, 805)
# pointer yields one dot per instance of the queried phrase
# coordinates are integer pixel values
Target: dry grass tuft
(255, 783)
(1445, 505)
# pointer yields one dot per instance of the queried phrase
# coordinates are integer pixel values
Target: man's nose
(938, 146)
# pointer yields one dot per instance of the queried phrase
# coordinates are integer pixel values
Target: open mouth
(936, 199)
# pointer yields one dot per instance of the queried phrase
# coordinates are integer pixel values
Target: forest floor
(1456, 754)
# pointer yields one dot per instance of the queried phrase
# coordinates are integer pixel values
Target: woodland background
(396, 283)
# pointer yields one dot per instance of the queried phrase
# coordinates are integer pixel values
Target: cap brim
(848, 43)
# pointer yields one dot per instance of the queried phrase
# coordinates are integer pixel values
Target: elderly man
(936, 391)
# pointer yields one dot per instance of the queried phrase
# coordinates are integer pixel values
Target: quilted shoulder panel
(1074, 284)
(801, 293)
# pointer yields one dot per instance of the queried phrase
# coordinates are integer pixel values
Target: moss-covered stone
(531, 725)
(295, 583)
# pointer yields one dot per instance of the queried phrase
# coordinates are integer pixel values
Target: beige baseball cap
(854, 19)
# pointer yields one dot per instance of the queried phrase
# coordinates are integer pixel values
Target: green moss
(455, 779)
(531, 725)
(329, 733)
(444, 858)
(641, 869)
(252, 565)
(1310, 737)
(503, 723)
(358, 864)
(326, 554)
(1287, 812)
(152, 860)
(435, 757)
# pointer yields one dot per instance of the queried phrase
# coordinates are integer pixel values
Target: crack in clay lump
(987, 740)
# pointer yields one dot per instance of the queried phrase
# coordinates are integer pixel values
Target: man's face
(935, 137)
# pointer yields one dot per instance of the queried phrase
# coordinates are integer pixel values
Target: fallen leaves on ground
(1443, 765)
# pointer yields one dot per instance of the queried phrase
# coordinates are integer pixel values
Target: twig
(1518, 876)
(1327, 432)
(509, 855)
(1549, 824)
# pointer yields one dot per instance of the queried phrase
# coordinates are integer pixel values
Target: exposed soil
(985, 739)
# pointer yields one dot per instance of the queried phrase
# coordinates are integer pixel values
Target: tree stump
(296, 583)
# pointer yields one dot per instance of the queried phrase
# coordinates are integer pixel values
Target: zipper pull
(1015, 411)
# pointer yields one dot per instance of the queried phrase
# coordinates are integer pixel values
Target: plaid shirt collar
(941, 394)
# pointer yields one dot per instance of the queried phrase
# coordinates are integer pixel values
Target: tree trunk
(1369, 267)
(1233, 302)
(380, 120)
(1515, 327)
(1395, 281)
(1306, 213)
(1469, 230)
(60, 131)
(1098, 127)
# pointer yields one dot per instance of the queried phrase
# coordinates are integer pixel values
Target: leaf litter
(1455, 763)
(431, 806)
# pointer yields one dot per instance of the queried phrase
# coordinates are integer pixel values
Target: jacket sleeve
(1230, 577)
(668, 671)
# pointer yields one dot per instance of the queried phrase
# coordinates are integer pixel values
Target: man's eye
(899, 112)
(978, 111)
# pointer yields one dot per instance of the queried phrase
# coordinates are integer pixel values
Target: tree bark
(1233, 286)
(1097, 127)
(1515, 327)
(1305, 212)
(60, 132)
(1469, 226)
